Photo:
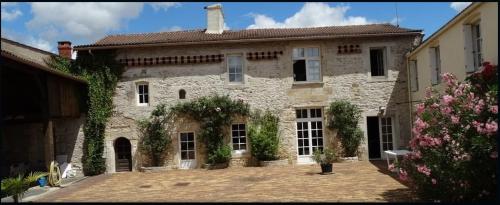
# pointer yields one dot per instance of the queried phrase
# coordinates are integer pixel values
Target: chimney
(64, 48)
(215, 19)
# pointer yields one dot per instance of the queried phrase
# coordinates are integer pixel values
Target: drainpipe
(409, 93)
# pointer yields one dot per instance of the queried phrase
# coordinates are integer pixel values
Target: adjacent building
(294, 72)
(459, 47)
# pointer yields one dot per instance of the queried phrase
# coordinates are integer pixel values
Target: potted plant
(219, 159)
(325, 158)
(264, 139)
(16, 186)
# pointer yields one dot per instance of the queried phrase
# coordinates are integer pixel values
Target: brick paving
(351, 182)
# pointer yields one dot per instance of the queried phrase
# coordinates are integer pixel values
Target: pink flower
(434, 105)
(434, 181)
(449, 79)
(420, 108)
(479, 106)
(491, 127)
(494, 109)
(494, 155)
(448, 99)
(391, 167)
(424, 170)
(446, 137)
(455, 119)
(446, 110)
(403, 175)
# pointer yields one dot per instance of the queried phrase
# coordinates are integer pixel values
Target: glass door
(187, 150)
(309, 134)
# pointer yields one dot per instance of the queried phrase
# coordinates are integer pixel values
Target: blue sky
(43, 24)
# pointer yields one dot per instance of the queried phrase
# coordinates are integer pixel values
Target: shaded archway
(123, 155)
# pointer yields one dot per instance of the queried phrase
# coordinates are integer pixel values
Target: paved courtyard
(351, 182)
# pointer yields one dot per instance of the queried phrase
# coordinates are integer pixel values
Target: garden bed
(274, 163)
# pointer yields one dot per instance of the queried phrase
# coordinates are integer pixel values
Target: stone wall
(268, 84)
(69, 137)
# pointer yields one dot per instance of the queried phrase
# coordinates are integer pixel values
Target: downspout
(409, 93)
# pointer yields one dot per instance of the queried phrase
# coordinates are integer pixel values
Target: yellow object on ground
(54, 174)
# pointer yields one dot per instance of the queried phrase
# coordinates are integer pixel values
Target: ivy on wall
(102, 73)
(214, 113)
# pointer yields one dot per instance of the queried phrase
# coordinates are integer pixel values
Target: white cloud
(9, 14)
(82, 20)
(173, 28)
(164, 5)
(311, 15)
(226, 27)
(28, 40)
(459, 6)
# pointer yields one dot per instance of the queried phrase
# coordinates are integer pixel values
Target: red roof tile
(199, 36)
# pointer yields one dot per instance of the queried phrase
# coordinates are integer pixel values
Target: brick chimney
(215, 19)
(64, 48)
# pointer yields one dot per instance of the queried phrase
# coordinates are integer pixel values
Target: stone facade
(268, 84)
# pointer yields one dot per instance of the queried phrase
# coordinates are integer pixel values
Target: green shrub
(220, 155)
(16, 186)
(155, 136)
(263, 136)
(327, 156)
(344, 117)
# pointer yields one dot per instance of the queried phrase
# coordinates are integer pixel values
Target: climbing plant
(155, 134)
(344, 117)
(263, 135)
(214, 113)
(102, 72)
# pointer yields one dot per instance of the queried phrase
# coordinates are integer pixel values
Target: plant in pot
(263, 136)
(16, 186)
(219, 158)
(155, 134)
(325, 158)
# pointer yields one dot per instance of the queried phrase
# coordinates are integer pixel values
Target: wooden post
(49, 144)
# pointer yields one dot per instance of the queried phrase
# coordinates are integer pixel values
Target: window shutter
(468, 48)
(432, 61)
(413, 76)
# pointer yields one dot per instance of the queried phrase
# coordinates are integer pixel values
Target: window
(309, 131)
(182, 94)
(306, 64)
(476, 45)
(187, 146)
(239, 136)
(377, 61)
(142, 94)
(413, 75)
(435, 65)
(386, 125)
(235, 66)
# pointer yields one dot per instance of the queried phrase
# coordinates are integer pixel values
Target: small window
(435, 65)
(377, 61)
(477, 42)
(413, 75)
(306, 64)
(239, 137)
(182, 94)
(142, 94)
(235, 67)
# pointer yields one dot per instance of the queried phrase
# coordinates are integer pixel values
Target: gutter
(158, 44)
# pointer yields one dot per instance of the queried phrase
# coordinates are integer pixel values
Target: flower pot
(42, 181)
(326, 168)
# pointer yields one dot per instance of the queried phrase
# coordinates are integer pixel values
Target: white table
(395, 153)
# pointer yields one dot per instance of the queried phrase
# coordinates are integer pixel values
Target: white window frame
(239, 151)
(139, 95)
(413, 65)
(242, 69)
(477, 45)
(384, 59)
(193, 162)
(307, 58)
(381, 134)
(435, 60)
(308, 120)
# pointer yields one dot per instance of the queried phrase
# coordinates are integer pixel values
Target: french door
(187, 150)
(309, 133)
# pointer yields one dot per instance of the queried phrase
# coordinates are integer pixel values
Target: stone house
(294, 72)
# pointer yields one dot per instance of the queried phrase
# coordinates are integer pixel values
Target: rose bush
(454, 150)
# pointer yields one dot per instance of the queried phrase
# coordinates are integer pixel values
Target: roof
(200, 37)
(448, 24)
(32, 56)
